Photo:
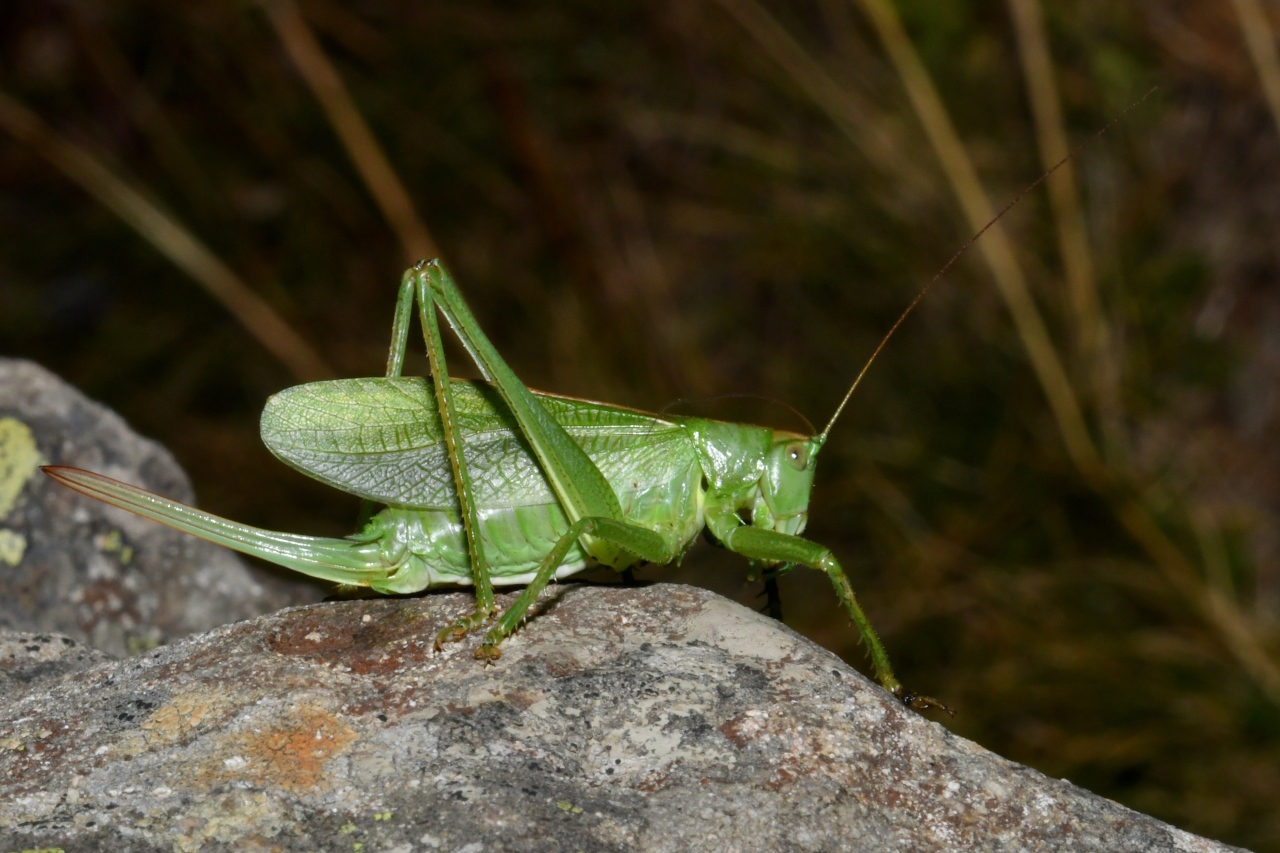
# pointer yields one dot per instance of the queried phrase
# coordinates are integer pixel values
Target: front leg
(760, 544)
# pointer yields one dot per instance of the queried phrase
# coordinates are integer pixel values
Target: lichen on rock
(660, 718)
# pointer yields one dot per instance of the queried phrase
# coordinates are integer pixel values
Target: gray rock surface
(72, 565)
(661, 718)
(29, 660)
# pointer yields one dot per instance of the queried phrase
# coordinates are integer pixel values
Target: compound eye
(797, 455)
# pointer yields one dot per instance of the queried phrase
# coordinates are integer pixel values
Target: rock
(74, 566)
(30, 660)
(659, 718)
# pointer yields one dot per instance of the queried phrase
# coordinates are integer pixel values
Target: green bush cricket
(488, 482)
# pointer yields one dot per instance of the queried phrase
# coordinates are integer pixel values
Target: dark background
(651, 202)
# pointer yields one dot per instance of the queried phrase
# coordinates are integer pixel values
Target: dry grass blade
(995, 247)
(858, 119)
(361, 145)
(1234, 629)
(166, 234)
(1261, 43)
(1092, 333)
(677, 358)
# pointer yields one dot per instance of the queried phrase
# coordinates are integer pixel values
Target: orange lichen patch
(292, 754)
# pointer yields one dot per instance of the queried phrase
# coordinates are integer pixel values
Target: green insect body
(655, 466)
(488, 483)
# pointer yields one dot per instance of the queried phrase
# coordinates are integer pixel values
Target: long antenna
(711, 398)
(964, 248)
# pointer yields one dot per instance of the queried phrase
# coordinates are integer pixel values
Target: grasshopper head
(788, 480)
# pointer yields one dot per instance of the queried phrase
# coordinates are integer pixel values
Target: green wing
(381, 439)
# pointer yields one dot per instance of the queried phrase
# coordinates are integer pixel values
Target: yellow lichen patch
(12, 546)
(19, 459)
(135, 645)
(178, 718)
(566, 806)
(292, 754)
(113, 542)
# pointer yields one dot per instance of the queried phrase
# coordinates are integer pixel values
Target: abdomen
(516, 539)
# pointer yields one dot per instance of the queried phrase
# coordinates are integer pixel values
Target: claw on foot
(452, 634)
(488, 652)
(916, 702)
(459, 630)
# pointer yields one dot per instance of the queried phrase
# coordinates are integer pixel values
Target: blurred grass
(647, 202)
